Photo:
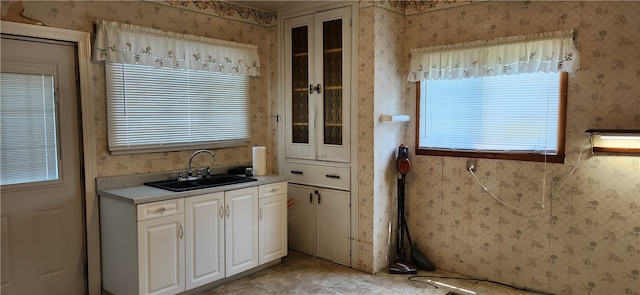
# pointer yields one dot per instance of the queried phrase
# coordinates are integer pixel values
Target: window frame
(557, 158)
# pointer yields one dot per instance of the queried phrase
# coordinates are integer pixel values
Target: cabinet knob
(333, 176)
(162, 210)
(296, 172)
(317, 88)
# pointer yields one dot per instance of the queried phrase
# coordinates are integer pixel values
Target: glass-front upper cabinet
(317, 53)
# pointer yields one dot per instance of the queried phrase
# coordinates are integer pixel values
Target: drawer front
(319, 175)
(160, 209)
(273, 189)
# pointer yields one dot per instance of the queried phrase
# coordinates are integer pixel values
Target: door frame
(91, 210)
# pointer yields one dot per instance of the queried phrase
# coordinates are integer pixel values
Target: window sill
(181, 147)
(559, 158)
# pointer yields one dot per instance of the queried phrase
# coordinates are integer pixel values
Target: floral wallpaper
(226, 10)
(587, 238)
(407, 7)
(366, 168)
(377, 142)
(80, 15)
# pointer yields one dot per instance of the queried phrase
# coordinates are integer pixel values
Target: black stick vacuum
(402, 265)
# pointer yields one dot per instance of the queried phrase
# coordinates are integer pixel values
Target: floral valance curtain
(131, 44)
(544, 52)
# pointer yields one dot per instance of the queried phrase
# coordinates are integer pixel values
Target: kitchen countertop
(140, 194)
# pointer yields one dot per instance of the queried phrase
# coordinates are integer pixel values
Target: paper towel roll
(259, 160)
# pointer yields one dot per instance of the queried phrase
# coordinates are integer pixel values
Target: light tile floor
(302, 274)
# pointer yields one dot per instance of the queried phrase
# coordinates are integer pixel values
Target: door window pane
(29, 149)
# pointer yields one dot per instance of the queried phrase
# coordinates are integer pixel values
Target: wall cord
(541, 206)
(415, 279)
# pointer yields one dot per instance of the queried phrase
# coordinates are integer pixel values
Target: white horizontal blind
(511, 113)
(172, 109)
(28, 129)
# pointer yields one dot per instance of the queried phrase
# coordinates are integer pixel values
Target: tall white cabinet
(318, 85)
(318, 96)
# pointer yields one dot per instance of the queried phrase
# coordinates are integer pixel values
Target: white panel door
(241, 230)
(334, 225)
(42, 222)
(302, 219)
(204, 223)
(273, 228)
(161, 255)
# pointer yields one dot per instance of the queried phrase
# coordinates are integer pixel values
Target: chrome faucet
(189, 171)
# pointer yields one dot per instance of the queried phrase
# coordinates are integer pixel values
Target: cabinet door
(302, 219)
(333, 75)
(161, 255)
(272, 228)
(299, 97)
(317, 78)
(204, 223)
(334, 224)
(241, 230)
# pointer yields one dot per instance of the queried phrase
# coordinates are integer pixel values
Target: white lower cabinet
(272, 222)
(161, 255)
(302, 219)
(204, 223)
(334, 228)
(319, 222)
(241, 211)
(172, 246)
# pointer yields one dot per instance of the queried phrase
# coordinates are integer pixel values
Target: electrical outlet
(472, 165)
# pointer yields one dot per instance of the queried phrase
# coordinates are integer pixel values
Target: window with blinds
(510, 117)
(163, 109)
(28, 128)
